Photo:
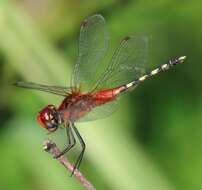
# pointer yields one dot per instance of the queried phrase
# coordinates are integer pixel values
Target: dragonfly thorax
(48, 118)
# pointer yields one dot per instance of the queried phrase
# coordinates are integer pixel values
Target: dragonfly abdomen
(107, 95)
(163, 67)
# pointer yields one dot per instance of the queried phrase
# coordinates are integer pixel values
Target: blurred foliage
(152, 142)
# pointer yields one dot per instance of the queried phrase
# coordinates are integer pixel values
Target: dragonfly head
(48, 118)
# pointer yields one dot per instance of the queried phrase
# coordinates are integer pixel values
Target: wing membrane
(93, 44)
(58, 90)
(127, 63)
(100, 112)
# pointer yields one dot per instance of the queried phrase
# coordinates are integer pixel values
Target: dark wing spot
(126, 38)
(84, 23)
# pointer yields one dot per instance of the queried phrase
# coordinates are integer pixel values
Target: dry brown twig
(50, 147)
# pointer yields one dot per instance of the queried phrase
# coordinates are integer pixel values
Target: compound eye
(51, 122)
(48, 116)
(51, 125)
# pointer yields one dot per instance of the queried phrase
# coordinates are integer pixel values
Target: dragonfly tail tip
(182, 58)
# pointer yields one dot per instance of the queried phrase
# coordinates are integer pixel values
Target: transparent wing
(100, 112)
(127, 63)
(58, 90)
(93, 44)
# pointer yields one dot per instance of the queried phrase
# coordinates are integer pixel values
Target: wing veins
(58, 90)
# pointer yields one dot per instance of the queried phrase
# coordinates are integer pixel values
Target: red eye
(46, 119)
(41, 120)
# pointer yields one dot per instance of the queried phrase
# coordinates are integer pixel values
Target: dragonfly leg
(71, 143)
(79, 159)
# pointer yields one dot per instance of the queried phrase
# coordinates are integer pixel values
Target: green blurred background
(152, 142)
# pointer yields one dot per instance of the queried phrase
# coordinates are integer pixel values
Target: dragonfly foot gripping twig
(50, 147)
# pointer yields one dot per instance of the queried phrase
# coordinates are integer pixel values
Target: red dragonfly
(88, 97)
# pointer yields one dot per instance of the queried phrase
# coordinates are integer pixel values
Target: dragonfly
(89, 97)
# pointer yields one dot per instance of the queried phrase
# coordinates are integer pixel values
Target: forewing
(93, 44)
(128, 63)
(58, 90)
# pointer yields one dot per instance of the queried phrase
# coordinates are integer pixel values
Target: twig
(50, 147)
